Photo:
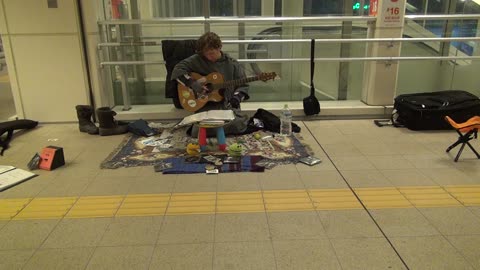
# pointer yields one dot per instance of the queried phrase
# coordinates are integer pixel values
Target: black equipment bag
(270, 122)
(427, 111)
(9, 127)
(311, 105)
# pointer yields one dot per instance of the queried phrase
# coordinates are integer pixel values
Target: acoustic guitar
(216, 85)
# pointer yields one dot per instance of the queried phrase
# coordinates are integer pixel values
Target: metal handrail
(224, 37)
(236, 20)
(281, 19)
(324, 59)
(443, 17)
(333, 40)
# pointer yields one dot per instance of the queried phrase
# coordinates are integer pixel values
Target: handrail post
(125, 94)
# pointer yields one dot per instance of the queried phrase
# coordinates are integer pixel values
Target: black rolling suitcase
(427, 111)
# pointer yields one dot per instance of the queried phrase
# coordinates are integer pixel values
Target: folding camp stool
(467, 130)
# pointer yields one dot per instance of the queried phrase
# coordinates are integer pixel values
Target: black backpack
(271, 122)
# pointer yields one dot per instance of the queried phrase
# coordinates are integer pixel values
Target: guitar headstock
(265, 76)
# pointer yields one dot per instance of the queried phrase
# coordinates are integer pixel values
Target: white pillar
(292, 30)
(45, 59)
(380, 77)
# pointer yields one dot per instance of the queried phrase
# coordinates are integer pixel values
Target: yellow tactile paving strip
(238, 202)
(467, 195)
(94, 206)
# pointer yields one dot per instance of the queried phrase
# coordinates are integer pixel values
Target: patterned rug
(142, 151)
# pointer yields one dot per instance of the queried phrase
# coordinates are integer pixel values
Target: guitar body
(193, 103)
(216, 85)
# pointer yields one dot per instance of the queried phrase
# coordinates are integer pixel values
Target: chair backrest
(175, 51)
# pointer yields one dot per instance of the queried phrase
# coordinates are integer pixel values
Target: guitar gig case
(427, 111)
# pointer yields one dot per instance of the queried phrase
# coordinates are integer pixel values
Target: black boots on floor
(108, 125)
(85, 124)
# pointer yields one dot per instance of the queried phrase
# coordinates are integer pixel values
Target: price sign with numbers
(392, 13)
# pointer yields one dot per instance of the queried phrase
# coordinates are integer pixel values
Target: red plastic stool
(202, 134)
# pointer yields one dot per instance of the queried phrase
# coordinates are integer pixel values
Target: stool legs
(464, 140)
(474, 151)
(202, 138)
(222, 145)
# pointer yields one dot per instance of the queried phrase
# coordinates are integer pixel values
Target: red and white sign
(373, 8)
(392, 13)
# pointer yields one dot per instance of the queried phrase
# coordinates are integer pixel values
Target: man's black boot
(85, 124)
(108, 125)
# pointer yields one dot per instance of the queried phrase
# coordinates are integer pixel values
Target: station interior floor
(382, 198)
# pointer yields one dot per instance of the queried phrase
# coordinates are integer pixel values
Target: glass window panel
(188, 8)
(324, 7)
(278, 8)
(226, 8)
(221, 7)
(253, 8)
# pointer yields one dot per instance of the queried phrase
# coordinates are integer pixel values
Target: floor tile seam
(458, 251)
(108, 226)
(359, 200)
(453, 196)
(450, 243)
(64, 212)
(270, 235)
(466, 195)
(312, 200)
(330, 243)
(43, 242)
(416, 202)
(21, 208)
(175, 243)
(76, 205)
(215, 224)
(412, 201)
(306, 191)
(163, 221)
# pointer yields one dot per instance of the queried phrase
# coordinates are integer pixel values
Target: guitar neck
(238, 82)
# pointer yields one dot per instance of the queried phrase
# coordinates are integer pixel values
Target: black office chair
(175, 51)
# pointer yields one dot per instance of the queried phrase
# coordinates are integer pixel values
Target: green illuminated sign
(357, 6)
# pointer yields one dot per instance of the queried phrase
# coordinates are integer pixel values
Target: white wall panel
(50, 76)
(33, 16)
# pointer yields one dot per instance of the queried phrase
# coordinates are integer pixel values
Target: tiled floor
(422, 209)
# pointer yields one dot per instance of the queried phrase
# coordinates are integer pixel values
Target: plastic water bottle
(286, 121)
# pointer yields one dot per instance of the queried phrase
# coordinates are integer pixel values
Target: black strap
(312, 66)
(4, 143)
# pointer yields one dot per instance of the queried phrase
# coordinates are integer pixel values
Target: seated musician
(210, 58)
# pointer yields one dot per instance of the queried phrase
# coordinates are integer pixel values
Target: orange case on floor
(51, 158)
